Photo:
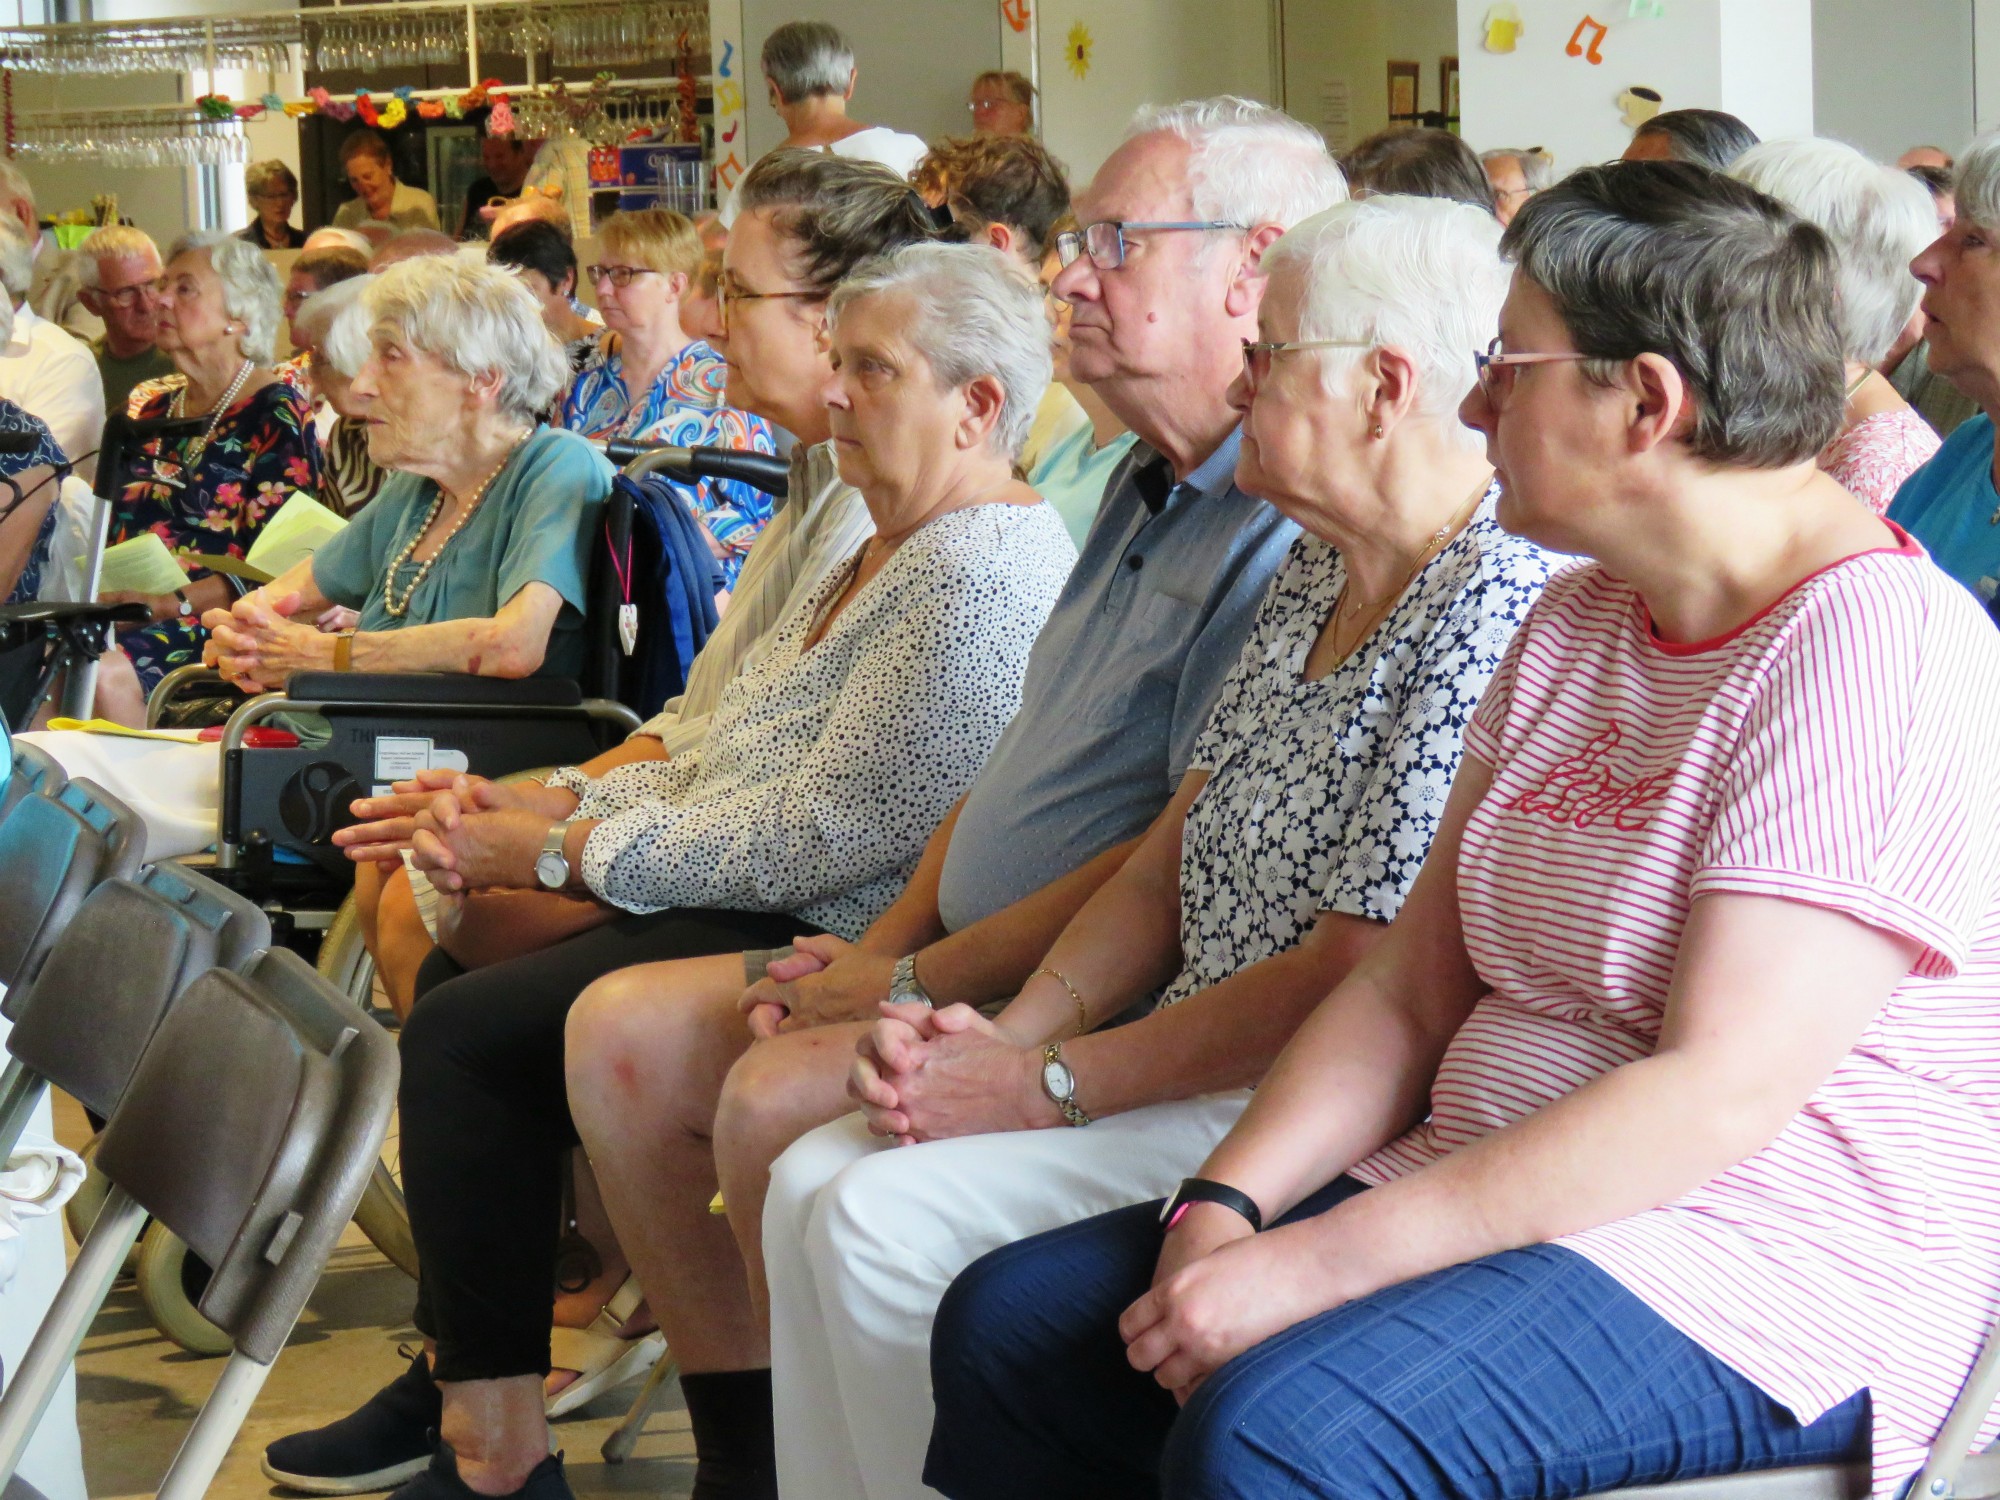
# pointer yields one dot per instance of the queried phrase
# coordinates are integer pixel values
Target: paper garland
(394, 109)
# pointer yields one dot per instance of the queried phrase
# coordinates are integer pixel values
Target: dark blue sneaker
(440, 1481)
(389, 1439)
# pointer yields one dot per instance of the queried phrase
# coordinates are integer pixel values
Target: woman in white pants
(1311, 802)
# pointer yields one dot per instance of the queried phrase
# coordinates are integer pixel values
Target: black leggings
(486, 1123)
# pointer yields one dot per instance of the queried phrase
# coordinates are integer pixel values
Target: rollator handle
(761, 471)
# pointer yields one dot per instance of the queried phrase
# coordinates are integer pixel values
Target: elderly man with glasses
(120, 267)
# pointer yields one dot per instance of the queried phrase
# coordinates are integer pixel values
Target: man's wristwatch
(904, 986)
(1195, 1190)
(552, 865)
(1059, 1083)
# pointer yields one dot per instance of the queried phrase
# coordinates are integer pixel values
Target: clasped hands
(256, 644)
(463, 832)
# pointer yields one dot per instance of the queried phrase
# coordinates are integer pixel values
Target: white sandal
(603, 1361)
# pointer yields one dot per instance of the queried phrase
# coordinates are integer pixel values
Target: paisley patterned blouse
(684, 407)
(263, 449)
(1324, 795)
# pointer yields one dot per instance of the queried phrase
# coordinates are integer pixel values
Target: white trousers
(862, 1238)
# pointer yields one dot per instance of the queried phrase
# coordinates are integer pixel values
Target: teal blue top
(536, 524)
(1072, 473)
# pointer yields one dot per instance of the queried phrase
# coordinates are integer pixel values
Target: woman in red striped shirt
(1660, 1136)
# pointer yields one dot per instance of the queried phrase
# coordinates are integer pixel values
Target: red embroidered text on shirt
(1583, 789)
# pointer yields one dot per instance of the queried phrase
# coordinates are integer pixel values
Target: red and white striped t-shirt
(1842, 749)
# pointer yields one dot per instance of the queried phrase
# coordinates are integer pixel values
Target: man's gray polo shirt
(1120, 681)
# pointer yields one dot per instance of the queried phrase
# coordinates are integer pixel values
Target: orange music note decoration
(1575, 48)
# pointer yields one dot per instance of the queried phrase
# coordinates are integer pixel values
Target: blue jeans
(1530, 1373)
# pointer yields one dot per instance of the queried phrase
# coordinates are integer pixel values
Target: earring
(1375, 431)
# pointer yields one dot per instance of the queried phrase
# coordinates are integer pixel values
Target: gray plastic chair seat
(53, 852)
(34, 771)
(86, 1017)
(249, 1128)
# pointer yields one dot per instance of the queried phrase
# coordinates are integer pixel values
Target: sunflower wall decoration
(1078, 50)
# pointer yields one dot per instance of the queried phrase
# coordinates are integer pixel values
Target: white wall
(1537, 95)
(1147, 52)
(1887, 87)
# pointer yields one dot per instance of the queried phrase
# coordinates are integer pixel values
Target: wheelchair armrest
(454, 689)
(38, 612)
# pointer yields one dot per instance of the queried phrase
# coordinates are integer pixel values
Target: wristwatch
(904, 986)
(1059, 1083)
(1195, 1190)
(187, 604)
(552, 865)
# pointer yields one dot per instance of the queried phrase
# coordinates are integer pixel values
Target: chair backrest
(250, 1129)
(35, 770)
(54, 850)
(86, 1017)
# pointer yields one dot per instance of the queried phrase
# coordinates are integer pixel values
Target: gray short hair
(1538, 167)
(260, 176)
(1248, 163)
(112, 242)
(477, 319)
(1422, 275)
(806, 59)
(1673, 259)
(1877, 217)
(973, 312)
(334, 321)
(17, 259)
(252, 294)
(1976, 182)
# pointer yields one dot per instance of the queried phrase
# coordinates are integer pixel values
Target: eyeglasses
(1257, 357)
(1496, 378)
(133, 295)
(618, 276)
(727, 291)
(982, 106)
(1104, 241)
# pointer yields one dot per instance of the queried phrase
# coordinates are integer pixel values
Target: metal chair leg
(207, 1443)
(68, 1319)
(625, 1436)
(20, 1092)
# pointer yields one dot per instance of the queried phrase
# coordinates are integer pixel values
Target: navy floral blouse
(263, 449)
(45, 454)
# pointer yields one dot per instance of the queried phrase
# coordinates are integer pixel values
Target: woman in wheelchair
(828, 762)
(472, 559)
(211, 492)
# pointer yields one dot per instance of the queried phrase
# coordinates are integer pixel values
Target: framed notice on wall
(1448, 91)
(1403, 77)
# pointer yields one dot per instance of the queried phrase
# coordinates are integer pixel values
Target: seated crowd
(1338, 843)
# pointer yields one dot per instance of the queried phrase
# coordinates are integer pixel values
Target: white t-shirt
(894, 149)
(51, 374)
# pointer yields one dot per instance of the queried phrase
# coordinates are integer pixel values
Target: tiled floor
(137, 1392)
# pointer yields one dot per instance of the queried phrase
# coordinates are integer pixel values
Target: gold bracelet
(1082, 1015)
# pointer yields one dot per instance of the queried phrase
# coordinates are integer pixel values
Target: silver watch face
(552, 870)
(1057, 1079)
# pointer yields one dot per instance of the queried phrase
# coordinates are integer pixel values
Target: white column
(1750, 57)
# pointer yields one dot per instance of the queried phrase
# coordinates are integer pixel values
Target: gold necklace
(1436, 543)
(397, 611)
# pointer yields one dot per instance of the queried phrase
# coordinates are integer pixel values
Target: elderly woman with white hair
(829, 761)
(1288, 848)
(1878, 219)
(211, 491)
(1949, 504)
(473, 556)
(333, 323)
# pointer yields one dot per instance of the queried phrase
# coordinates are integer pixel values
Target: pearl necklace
(177, 409)
(397, 611)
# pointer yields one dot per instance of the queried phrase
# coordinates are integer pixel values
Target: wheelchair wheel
(88, 1201)
(381, 1215)
(171, 1281)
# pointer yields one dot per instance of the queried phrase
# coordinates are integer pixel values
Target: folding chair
(54, 850)
(34, 771)
(84, 1020)
(249, 1129)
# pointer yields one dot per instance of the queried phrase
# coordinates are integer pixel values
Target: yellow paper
(126, 732)
(292, 535)
(141, 566)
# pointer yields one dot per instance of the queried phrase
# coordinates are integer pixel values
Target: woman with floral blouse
(211, 490)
